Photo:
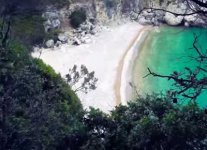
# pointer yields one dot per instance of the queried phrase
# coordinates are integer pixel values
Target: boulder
(63, 38)
(93, 32)
(47, 25)
(191, 18)
(52, 20)
(86, 40)
(55, 23)
(85, 27)
(173, 20)
(58, 43)
(194, 20)
(200, 22)
(76, 41)
(142, 20)
(50, 43)
(186, 24)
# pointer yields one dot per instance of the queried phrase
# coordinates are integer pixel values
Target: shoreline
(102, 55)
(123, 90)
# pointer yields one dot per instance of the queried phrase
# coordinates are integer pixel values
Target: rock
(93, 21)
(199, 22)
(51, 24)
(186, 24)
(191, 18)
(70, 41)
(76, 41)
(194, 20)
(63, 38)
(58, 43)
(50, 43)
(179, 8)
(155, 22)
(172, 20)
(83, 33)
(93, 32)
(85, 27)
(142, 20)
(133, 15)
(55, 23)
(86, 40)
(52, 20)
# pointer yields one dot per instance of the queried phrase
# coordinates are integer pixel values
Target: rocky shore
(101, 13)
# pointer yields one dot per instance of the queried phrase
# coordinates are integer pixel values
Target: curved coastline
(125, 70)
(102, 55)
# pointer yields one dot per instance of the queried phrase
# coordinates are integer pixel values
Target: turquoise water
(164, 52)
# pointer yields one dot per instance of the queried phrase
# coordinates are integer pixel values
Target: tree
(151, 122)
(82, 80)
(38, 109)
(197, 7)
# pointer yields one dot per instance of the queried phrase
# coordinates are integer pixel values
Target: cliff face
(105, 11)
(108, 10)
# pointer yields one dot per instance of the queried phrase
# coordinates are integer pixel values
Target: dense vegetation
(38, 109)
(147, 124)
(27, 21)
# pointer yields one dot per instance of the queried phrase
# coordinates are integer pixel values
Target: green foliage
(28, 30)
(27, 22)
(77, 17)
(45, 69)
(17, 54)
(38, 109)
(148, 123)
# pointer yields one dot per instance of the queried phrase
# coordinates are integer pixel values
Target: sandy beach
(110, 55)
(128, 64)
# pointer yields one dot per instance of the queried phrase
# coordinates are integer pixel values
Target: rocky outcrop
(102, 12)
(84, 33)
(63, 38)
(50, 43)
(52, 20)
(105, 11)
(173, 20)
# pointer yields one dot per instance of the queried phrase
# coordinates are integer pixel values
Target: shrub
(28, 29)
(45, 69)
(77, 18)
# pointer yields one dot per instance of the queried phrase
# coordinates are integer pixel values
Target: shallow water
(164, 52)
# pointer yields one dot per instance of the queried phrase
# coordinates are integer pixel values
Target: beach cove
(121, 55)
(109, 55)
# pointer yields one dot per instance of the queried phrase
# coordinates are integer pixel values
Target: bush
(77, 18)
(28, 30)
(45, 69)
(146, 124)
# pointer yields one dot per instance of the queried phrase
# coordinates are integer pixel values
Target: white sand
(127, 71)
(102, 56)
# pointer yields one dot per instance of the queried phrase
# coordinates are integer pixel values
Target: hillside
(67, 69)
